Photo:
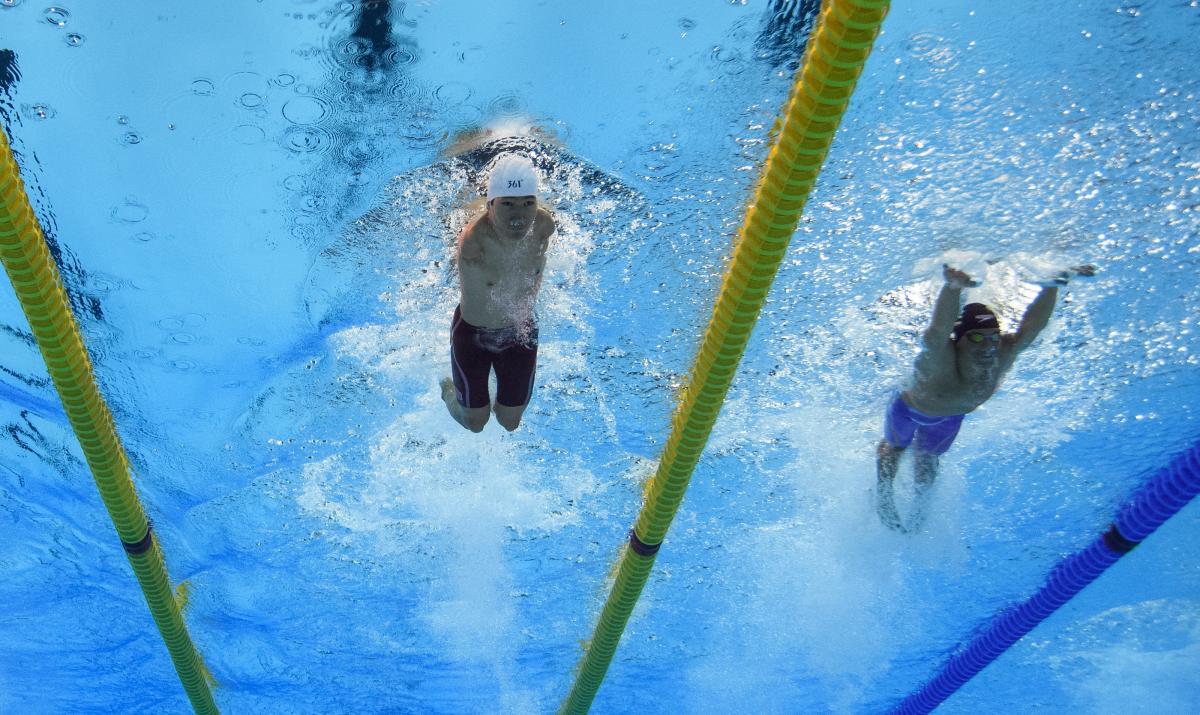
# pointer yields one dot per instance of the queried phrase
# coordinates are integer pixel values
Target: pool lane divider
(1160, 498)
(837, 50)
(39, 289)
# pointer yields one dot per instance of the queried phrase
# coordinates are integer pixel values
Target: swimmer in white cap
(501, 256)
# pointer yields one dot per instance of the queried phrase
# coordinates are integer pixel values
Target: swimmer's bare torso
(501, 271)
(950, 381)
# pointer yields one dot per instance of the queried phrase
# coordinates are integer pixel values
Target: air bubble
(74, 39)
(38, 111)
(9, 3)
(131, 138)
(57, 16)
(284, 80)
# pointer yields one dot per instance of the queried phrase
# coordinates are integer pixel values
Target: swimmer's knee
(476, 420)
(509, 417)
(509, 422)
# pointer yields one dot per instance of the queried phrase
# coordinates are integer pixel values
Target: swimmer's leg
(925, 468)
(473, 418)
(509, 417)
(516, 368)
(886, 464)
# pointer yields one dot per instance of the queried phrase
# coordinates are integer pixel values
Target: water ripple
(452, 93)
(130, 211)
(307, 139)
(305, 110)
(506, 104)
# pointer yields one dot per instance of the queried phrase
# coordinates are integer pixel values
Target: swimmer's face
(513, 215)
(980, 345)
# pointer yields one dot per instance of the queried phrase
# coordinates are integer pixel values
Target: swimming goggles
(980, 337)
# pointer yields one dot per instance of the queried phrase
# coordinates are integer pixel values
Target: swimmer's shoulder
(471, 240)
(545, 222)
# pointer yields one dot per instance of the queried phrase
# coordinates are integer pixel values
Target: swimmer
(501, 256)
(962, 362)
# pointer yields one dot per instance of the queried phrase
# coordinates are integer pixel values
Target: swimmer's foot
(1064, 277)
(448, 394)
(885, 504)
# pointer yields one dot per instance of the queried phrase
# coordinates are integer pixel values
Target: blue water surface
(254, 210)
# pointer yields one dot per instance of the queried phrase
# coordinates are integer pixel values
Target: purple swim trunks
(933, 434)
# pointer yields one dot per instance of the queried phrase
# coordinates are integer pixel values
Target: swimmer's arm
(945, 312)
(1037, 317)
(470, 248)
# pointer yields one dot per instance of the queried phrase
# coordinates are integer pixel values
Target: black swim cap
(975, 316)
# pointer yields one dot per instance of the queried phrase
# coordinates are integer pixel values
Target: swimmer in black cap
(963, 359)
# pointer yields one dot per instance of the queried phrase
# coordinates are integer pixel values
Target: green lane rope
(836, 52)
(39, 288)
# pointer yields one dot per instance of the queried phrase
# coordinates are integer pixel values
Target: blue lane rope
(1157, 500)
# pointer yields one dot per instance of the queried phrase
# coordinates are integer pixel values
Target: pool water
(254, 212)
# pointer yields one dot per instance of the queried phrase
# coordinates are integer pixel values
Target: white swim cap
(512, 175)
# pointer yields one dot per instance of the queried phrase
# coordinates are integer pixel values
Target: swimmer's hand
(1061, 278)
(956, 278)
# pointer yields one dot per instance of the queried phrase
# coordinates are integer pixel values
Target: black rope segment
(1116, 542)
(639, 547)
(143, 544)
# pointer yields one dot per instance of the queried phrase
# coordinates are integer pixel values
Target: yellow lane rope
(39, 288)
(837, 50)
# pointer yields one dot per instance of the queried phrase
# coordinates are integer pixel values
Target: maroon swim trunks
(475, 351)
